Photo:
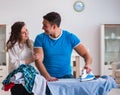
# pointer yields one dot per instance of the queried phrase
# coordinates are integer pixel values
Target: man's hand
(88, 69)
(51, 79)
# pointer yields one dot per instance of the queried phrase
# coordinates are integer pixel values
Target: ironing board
(98, 86)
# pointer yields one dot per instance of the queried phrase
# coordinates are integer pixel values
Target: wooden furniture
(110, 47)
(75, 65)
(116, 71)
(3, 54)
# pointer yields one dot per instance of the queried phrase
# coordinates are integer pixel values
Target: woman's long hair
(15, 35)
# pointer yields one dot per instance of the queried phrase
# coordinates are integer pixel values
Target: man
(55, 46)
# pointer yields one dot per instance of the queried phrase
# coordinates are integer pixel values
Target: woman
(19, 48)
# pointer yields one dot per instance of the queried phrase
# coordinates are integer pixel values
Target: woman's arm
(19, 56)
(14, 58)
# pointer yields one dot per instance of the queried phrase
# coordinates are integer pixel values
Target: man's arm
(39, 64)
(82, 51)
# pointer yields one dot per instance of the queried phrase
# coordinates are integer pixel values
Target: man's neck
(56, 34)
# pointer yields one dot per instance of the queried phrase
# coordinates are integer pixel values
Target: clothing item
(19, 89)
(57, 52)
(29, 74)
(33, 81)
(86, 76)
(18, 78)
(97, 86)
(8, 86)
(39, 86)
(64, 77)
(18, 55)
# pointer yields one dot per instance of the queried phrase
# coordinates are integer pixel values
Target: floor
(114, 92)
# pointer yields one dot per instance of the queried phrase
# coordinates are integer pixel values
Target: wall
(85, 25)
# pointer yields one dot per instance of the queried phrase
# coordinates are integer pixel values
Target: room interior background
(85, 24)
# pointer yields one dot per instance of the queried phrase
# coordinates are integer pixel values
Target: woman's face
(24, 33)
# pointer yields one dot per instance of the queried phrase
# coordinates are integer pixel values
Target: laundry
(32, 79)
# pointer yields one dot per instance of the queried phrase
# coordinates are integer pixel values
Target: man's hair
(53, 18)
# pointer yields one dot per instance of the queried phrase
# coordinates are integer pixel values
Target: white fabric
(18, 78)
(17, 56)
(39, 86)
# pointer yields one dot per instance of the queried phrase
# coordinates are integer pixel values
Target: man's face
(47, 27)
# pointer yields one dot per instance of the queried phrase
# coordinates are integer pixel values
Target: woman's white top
(18, 55)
